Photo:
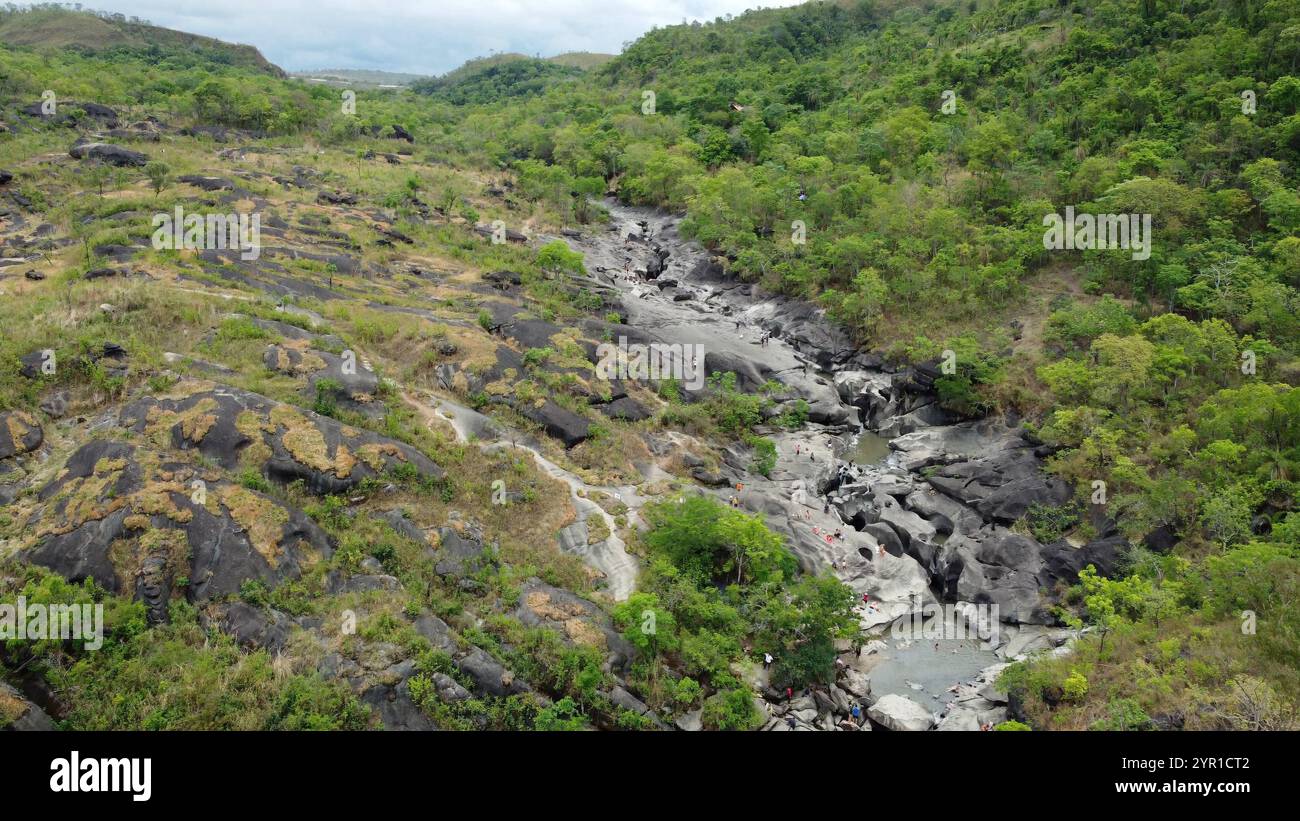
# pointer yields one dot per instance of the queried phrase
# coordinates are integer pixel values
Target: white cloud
(422, 36)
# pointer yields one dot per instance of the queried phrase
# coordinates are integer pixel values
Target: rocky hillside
(348, 452)
(374, 453)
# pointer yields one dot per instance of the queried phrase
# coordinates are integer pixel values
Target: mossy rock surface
(132, 519)
(238, 429)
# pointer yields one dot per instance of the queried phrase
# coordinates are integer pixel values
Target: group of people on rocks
(848, 473)
(856, 716)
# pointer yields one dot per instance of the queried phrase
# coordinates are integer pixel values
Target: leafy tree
(158, 173)
(558, 257)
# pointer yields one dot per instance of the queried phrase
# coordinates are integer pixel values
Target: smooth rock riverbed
(853, 491)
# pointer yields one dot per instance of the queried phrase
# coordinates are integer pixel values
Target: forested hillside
(48, 26)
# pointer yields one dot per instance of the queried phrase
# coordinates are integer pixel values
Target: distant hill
(501, 76)
(52, 27)
(570, 59)
(581, 59)
(366, 78)
(360, 77)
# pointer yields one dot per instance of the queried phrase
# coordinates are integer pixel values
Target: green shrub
(731, 710)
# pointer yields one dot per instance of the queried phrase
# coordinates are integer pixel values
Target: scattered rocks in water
(977, 704)
(899, 713)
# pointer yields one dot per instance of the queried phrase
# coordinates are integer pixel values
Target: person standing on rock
(767, 661)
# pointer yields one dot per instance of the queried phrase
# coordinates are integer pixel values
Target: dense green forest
(920, 145)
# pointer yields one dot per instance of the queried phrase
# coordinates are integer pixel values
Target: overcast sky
(422, 36)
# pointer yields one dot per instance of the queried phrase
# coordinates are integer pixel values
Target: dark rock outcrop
(558, 422)
(253, 627)
(138, 523)
(17, 714)
(108, 153)
(19, 434)
(207, 183)
(228, 425)
(580, 621)
(391, 700)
